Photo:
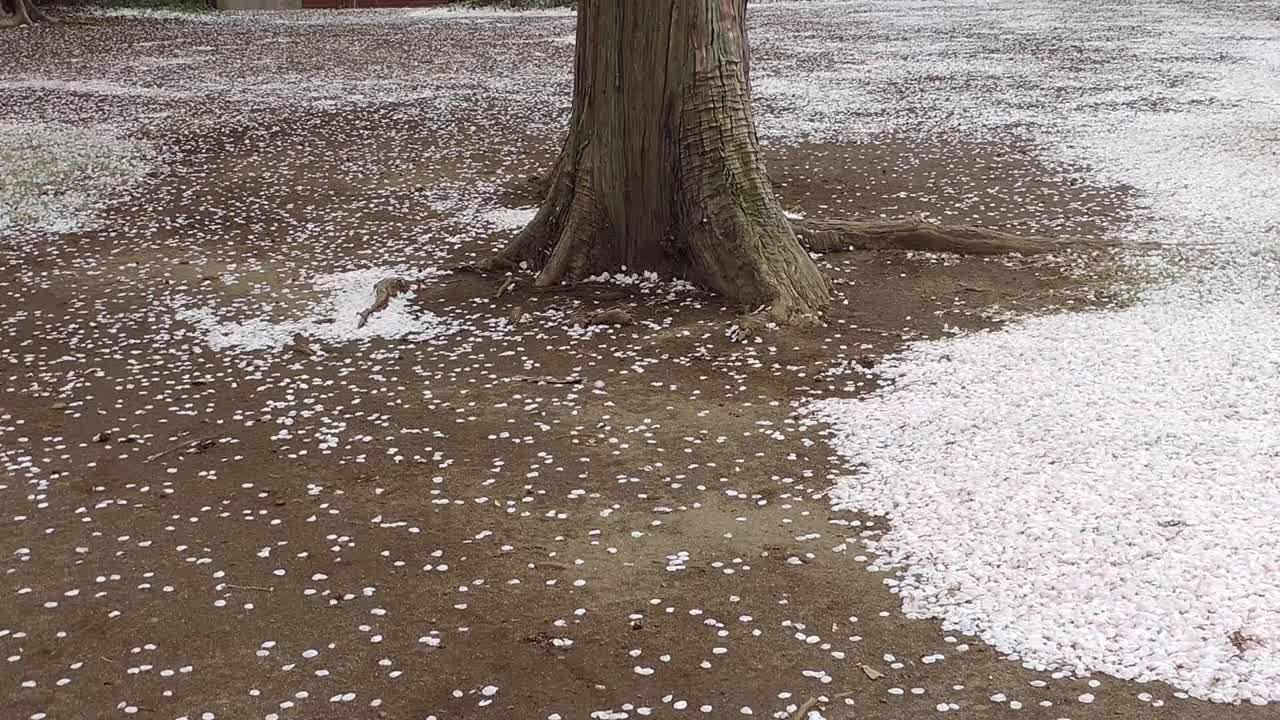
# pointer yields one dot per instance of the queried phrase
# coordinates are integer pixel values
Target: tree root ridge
(558, 241)
(768, 318)
(833, 236)
(573, 250)
(21, 13)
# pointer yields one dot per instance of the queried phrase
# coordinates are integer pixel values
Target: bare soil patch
(665, 515)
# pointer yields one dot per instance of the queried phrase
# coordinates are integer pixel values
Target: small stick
(299, 345)
(814, 701)
(383, 291)
(190, 443)
(250, 587)
(549, 380)
(805, 708)
(870, 672)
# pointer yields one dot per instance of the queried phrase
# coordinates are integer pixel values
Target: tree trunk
(20, 13)
(662, 167)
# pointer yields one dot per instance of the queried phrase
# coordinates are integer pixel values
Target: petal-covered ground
(222, 499)
(1100, 491)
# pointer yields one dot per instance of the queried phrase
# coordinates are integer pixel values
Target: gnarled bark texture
(17, 13)
(662, 167)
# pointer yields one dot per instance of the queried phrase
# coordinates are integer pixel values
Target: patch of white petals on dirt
(483, 13)
(334, 318)
(1096, 491)
(509, 218)
(58, 176)
(1101, 491)
(156, 14)
(647, 282)
(397, 16)
(90, 87)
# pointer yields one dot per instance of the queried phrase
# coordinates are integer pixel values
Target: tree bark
(662, 167)
(20, 13)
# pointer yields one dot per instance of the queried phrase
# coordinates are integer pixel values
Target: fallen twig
(507, 286)
(613, 316)
(201, 443)
(383, 291)
(805, 708)
(620, 315)
(870, 672)
(299, 344)
(250, 587)
(811, 702)
(547, 379)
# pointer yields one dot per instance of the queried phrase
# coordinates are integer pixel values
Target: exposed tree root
(506, 287)
(566, 227)
(542, 236)
(571, 253)
(198, 445)
(831, 236)
(681, 188)
(761, 322)
(620, 315)
(20, 13)
(548, 379)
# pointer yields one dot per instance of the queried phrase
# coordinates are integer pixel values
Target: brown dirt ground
(541, 484)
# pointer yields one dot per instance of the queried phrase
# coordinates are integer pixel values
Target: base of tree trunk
(20, 13)
(560, 240)
(751, 259)
(745, 252)
(662, 171)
